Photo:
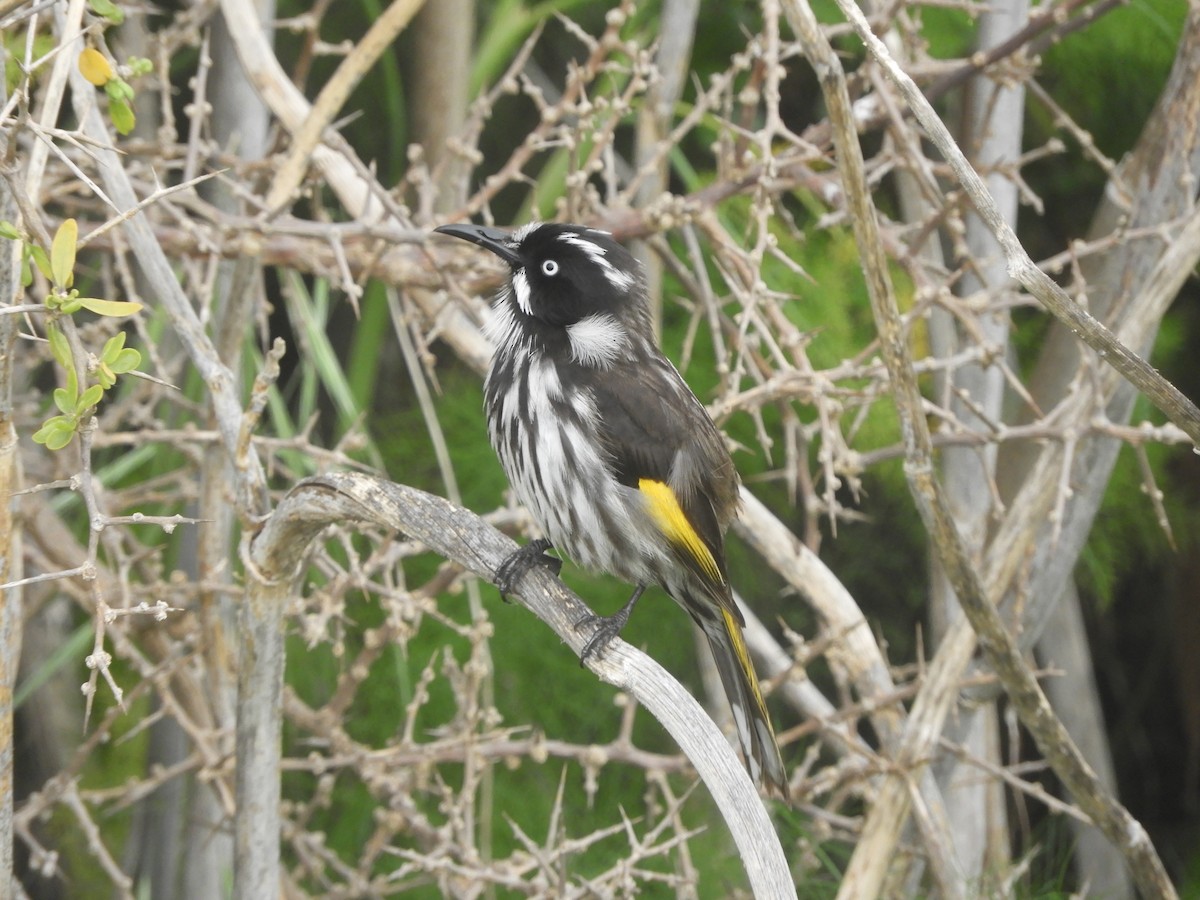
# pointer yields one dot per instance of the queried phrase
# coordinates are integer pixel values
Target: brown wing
(653, 427)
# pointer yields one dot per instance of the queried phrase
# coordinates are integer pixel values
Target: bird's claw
(606, 627)
(510, 572)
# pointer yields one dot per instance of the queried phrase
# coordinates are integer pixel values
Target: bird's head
(564, 274)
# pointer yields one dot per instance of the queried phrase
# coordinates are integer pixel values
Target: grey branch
(275, 561)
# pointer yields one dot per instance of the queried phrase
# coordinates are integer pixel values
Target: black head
(562, 274)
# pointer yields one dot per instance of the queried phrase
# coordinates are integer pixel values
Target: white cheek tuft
(597, 341)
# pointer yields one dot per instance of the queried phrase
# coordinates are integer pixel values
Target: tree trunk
(443, 35)
(1073, 693)
(993, 119)
(11, 619)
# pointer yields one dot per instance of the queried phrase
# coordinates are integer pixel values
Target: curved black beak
(489, 238)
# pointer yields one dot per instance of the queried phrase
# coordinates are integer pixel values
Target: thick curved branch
(274, 561)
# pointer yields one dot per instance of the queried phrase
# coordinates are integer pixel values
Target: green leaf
(41, 260)
(64, 401)
(72, 386)
(89, 398)
(112, 347)
(103, 307)
(108, 10)
(126, 361)
(9, 230)
(60, 437)
(62, 253)
(59, 347)
(56, 433)
(122, 116)
(119, 90)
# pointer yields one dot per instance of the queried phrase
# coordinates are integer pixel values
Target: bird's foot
(510, 572)
(606, 627)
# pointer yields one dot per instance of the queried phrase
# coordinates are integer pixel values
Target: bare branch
(275, 554)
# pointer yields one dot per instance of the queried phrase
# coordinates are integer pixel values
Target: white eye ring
(550, 267)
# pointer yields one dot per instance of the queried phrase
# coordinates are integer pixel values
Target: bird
(615, 458)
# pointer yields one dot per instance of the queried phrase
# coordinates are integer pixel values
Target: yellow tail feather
(734, 631)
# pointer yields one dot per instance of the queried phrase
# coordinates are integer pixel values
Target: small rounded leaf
(64, 401)
(59, 437)
(122, 116)
(126, 361)
(95, 67)
(56, 433)
(89, 398)
(113, 346)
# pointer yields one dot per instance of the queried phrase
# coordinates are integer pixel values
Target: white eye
(550, 268)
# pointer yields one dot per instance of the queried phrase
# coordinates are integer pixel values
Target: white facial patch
(521, 288)
(622, 281)
(596, 340)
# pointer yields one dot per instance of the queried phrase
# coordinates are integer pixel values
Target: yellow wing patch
(668, 515)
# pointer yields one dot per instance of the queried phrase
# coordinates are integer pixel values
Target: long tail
(755, 734)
